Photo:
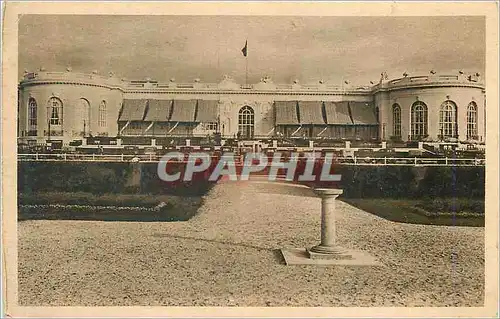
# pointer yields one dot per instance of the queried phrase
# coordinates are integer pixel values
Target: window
(102, 114)
(32, 115)
(448, 119)
(396, 120)
(56, 111)
(472, 121)
(211, 126)
(83, 115)
(246, 122)
(418, 120)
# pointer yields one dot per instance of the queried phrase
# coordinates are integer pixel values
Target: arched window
(448, 119)
(396, 120)
(418, 120)
(83, 115)
(102, 114)
(472, 121)
(56, 111)
(246, 122)
(32, 115)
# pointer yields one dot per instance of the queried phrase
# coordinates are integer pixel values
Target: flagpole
(246, 70)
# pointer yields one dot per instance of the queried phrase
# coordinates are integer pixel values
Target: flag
(244, 50)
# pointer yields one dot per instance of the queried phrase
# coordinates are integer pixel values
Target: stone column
(328, 248)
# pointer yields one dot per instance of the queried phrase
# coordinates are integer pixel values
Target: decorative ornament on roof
(405, 74)
(433, 72)
(42, 69)
(172, 79)
(266, 79)
(197, 80)
(95, 72)
(296, 81)
(69, 69)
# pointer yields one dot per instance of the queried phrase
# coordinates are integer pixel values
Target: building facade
(68, 106)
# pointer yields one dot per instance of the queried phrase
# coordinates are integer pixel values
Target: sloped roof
(310, 112)
(158, 110)
(337, 113)
(286, 112)
(363, 113)
(183, 111)
(207, 111)
(133, 110)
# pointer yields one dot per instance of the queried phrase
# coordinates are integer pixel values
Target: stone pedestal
(328, 248)
(328, 252)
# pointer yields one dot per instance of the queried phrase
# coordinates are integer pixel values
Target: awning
(310, 112)
(183, 111)
(337, 113)
(363, 113)
(207, 111)
(133, 110)
(286, 113)
(158, 110)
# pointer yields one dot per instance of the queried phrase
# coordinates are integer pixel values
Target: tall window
(102, 114)
(56, 111)
(83, 115)
(448, 119)
(32, 115)
(396, 120)
(418, 120)
(246, 122)
(472, 121)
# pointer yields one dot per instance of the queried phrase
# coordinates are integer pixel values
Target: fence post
(385, 160)
(355, 161)
(446, 161)
(122, 157)
(64, 156)
(150, 157)
(36, 156)
(415, 161)
(93, 157)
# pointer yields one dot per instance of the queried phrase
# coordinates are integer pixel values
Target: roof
(311, 112)
(183, 111)
(337, 113)
(363, 113)
(286, 113)
(207, 111)
(158, 110)
(133, 110)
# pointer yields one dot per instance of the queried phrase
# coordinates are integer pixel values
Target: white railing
(357, 161)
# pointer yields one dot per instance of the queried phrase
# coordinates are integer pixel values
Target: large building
(66, 106)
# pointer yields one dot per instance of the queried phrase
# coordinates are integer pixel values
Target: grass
(449, 212)
(176, 208)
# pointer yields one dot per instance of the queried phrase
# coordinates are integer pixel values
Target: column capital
(328, 192)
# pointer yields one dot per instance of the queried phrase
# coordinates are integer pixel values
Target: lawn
(449, 211)
(110, 207)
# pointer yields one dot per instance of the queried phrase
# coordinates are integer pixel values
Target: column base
(301, 256)
(328, 252)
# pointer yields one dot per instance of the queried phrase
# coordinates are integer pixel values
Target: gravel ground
(228, 256)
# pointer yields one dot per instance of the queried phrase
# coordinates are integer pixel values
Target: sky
(286, 48)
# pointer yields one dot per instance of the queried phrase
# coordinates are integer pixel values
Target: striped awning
(310, 112)
(207, 111)
(363, 113)
(158, 110)
(183, 111)
(337, 113)
(133, 110)
(286, 113)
